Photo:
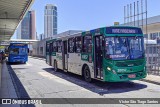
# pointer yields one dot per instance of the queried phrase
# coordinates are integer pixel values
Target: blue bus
(18, 52)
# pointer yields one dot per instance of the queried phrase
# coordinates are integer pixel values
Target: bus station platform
(7, 89)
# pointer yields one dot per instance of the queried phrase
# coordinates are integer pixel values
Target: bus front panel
(124, 58)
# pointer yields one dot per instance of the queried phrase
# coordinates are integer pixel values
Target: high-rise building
(41, 36)
(50, 20)
(27, 27)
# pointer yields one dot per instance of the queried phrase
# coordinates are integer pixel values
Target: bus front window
(22, 51)
(121, 48)
(116, 48)
(14, 51)
(136, 47)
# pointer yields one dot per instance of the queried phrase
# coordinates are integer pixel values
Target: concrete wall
(39, 48)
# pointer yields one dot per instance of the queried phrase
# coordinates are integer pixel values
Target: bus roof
(51, 40)
(65, 37)
(124, 26)
(68, 36)
(126, 29)
(109, 27)
(18, 43)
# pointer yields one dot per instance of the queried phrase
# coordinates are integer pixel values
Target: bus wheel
(87, 75)
(55, 66)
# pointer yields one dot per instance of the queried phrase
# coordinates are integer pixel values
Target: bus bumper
(17, 60)
(110, 77)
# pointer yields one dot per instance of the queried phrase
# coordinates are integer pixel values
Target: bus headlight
(108, 68)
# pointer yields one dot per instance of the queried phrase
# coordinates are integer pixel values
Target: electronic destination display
(123, 30)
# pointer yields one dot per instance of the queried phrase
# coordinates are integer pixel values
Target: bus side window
(71, 45)
(54, 46)
(78, 46)
(47, 47)
(51, 47)
(59, 44)
(87, 44)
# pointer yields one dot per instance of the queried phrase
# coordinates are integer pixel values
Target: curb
(0, 74)
(150, 81)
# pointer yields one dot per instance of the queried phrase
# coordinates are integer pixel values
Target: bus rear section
(18, 52)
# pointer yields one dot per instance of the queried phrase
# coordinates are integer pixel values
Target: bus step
(65, 70)
(99, 77)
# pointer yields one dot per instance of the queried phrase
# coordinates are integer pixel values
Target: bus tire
(87, 74)
(55, 66)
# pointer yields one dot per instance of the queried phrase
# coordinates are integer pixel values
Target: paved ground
(152, 79)
(38, 80)
(7, 89)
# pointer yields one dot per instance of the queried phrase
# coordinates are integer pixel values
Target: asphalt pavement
(36, 79)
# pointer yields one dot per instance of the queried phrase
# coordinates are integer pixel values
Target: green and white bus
(112, 54)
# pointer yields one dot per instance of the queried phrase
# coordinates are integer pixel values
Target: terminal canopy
(11, 13)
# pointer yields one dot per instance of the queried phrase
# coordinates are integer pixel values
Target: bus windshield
(14, 51)
(18, 51)
(121, 48)
(22, 51)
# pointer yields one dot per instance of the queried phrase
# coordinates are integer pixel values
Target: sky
(87, 14)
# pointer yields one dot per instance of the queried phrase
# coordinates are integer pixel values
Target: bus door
(98, 57)
(50, 53)
(64, 56)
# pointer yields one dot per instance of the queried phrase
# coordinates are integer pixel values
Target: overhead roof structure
(11, 13)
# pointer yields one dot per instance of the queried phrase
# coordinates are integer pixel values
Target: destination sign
(123, 30)
(19, 44)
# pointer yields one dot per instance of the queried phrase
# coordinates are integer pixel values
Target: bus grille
(129, 63)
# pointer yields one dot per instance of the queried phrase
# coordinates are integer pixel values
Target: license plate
(131, 76)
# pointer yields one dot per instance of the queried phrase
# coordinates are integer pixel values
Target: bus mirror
(28, 50)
